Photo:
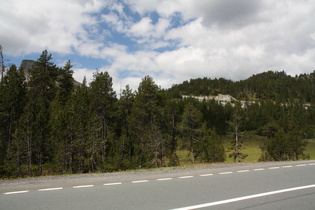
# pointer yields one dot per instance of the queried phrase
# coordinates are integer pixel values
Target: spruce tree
(42, 88)
(125, 147)
(236, 124)
(191, 122)
(103, 102)
(146, 125)
(12, 102)
(209, 147)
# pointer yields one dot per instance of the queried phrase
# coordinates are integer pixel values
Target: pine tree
(191, 122)
(78, 107)
(209, 148)
(125, 147)
(146, 126)
(12, 102)
(236, 123)
(172, 113)
(65, 82)
(103, 102)
(42, 90)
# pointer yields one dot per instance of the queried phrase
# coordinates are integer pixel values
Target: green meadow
(251, 146)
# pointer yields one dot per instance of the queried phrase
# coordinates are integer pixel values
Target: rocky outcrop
(27, 65)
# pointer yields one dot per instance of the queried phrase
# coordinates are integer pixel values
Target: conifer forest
(51, 124)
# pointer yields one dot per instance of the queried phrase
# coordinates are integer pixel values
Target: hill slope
(277, 86)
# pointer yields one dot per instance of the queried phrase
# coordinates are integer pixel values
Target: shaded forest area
(52, 125)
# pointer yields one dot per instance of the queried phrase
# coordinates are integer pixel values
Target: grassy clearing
(251, 147)
(310, 149)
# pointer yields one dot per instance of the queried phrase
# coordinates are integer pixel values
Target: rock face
(223, 99)
(27, 65)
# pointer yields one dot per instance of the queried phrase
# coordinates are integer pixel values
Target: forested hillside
(48, 125)
(277, 86)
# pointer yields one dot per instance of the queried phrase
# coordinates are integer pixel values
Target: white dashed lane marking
(16, 192)
(206, 175)
(114, 183)
(51, 189)
(139, 181)
(164, 179)
(185, 177)
(301, 165)
(223, 173)
(259, 169)
(243, 171)
(83, 186)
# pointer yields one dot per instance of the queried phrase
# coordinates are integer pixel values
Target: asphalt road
(276, 185)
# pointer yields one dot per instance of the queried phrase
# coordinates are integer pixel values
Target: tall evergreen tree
(78, 107)
(12, 102)
(145, 124)
(191, 122)
(103, 101)
(65, 82)
(41, 91)
(236, 123)
(209, 148)
(172, 117)
(125, 147)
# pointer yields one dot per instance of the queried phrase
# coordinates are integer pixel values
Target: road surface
(276, 185)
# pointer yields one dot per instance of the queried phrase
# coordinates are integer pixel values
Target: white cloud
(170, 40)
(80, 73)
(142, 27)
(29, 26)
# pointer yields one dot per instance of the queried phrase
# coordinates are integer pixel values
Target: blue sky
(170, 40)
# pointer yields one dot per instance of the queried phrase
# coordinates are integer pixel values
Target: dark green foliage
(237, 132)
(146, 125)
(65, 82)
(209, 147)
(12, 102)
(191, 125)
(49, 124)
(271, 85)
(103, 102)
(285, 139)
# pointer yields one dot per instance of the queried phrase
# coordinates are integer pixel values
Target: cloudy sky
(170, 40)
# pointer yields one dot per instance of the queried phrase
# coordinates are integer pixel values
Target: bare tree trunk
(29, 155)
(192, 147)
(236, 145)
(104, 138)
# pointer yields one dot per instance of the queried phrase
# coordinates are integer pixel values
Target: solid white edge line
(50, 189)
(223, 173)
(164, 179)
(245, 198)
(139, 181)
(83, 186)
(185, 177)
(206, 175)
(16, 192)
(114, 183)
